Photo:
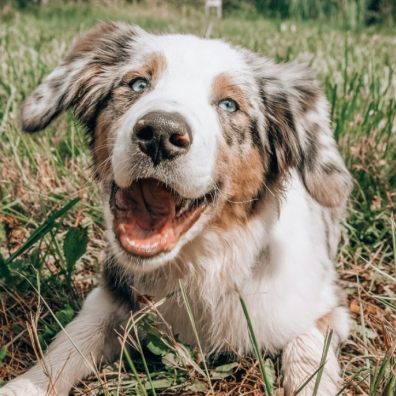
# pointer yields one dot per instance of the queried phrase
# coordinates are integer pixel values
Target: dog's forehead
(194, 57)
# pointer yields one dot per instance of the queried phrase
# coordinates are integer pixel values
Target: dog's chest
(215, 313)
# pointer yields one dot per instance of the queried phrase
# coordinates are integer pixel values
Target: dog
(217, 167)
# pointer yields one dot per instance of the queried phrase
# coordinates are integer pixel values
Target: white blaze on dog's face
(186, 68)
(187, 133)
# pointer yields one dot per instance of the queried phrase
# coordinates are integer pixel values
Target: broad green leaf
(226, 368)
(3, 353)
(223, 371)
(159, 383)
(44, 229)
(4, 269)
(197, 386)
(3, 237)
(156, 345)
(172, 361)
(74, 246)
(65, 315)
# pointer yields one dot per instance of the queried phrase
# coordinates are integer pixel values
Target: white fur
(301, 358)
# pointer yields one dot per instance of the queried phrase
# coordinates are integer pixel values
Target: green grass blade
(352, 382)
(379, 375)
(325, 352)
(134, 371)
(192, 321)
(140, 349)
(390, 388)
(267, 384)
(306, 382)
(42, 230)
(394, 239)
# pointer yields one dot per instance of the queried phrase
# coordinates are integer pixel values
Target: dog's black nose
(162, 136)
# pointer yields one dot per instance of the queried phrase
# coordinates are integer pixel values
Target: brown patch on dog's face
(103, 144)
(242, 161)
(235, 125)
(151, 70)
(242, 188)
(225, 87)
(122, 98)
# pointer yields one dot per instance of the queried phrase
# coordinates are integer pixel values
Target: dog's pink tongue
(144, 220)
(156, 205)
(149, 203)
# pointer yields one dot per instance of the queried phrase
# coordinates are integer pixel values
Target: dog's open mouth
(149, 218)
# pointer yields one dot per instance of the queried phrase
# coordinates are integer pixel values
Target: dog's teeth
(184, 207)
(179, 201)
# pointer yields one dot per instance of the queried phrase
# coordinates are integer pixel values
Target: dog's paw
(23, 387)
(326, 388)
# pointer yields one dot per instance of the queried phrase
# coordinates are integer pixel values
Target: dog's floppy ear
(299, 133)
(83, 79)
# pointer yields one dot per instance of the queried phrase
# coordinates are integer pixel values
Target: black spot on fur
(311, 152)
(256, 201)
(119, 285)
(308, 95)
(256, 138)
(282, 134)
(330, 169)
(90, 123)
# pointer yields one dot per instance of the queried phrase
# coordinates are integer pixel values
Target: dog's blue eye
(139, 84)
(228, 105)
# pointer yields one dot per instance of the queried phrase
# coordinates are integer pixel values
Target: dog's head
(188, 132)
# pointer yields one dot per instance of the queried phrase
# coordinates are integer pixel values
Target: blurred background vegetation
(348, 13)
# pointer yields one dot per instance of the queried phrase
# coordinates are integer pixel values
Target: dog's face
(187, 133)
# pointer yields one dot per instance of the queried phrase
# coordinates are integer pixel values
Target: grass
(51, 246)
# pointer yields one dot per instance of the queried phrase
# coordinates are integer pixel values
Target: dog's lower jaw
(141, 265)
(136, 264)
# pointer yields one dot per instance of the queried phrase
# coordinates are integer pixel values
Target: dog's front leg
(75, 351)
(302, 358)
